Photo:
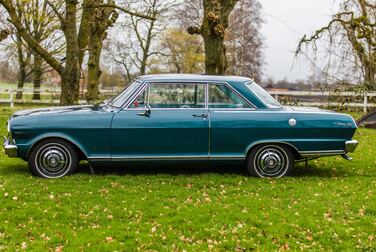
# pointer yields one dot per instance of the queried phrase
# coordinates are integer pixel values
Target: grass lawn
(330, 205)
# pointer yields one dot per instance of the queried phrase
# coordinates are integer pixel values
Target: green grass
(330, 205)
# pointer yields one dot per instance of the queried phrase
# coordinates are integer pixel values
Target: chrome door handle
(201, 115)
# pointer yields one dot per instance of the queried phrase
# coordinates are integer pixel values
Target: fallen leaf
(59, 249)
(362, 211)
(284, 247)
(189, 200)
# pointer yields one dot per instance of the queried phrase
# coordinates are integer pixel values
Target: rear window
(263, 95)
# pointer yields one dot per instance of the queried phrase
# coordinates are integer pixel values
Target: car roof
(192, 77)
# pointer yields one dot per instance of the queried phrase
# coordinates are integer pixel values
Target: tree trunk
(369, 78)
(71, 77)
(21, 78)
(215, 22)
(94, 71)
(20, 81)
(99, 21)
(215, 55)
(37, 75)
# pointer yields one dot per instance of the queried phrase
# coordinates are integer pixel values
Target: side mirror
(146, 113)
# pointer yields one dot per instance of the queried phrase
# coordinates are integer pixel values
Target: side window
(141, 100)
(177, 95)
(221, 96)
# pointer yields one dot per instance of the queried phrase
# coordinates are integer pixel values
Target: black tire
(53, 158)
(270, 161)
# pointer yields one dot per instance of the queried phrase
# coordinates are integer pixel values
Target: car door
(230, 122)
(166, 121)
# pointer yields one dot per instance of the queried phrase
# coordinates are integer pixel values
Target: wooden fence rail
(299, 98)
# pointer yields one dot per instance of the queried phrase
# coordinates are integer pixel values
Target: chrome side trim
(142, 158)
(350, 146)
(227, 157)
(306, 154)
(149, 158)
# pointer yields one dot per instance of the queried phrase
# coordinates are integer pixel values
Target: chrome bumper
(10, 147)
(350, 146)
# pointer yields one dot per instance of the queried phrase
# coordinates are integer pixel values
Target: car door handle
(201, 115)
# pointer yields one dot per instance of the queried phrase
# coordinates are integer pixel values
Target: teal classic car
(179, 119)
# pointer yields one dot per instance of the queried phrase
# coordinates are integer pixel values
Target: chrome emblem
(292, 122)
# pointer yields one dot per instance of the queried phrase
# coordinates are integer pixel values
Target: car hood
(54, 110)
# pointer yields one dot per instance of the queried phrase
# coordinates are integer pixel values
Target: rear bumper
(10, 148)
(350, 146)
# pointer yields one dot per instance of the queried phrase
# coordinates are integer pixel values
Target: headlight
(8, 126)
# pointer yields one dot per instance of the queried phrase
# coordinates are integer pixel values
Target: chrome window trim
(140, 83)
(252, 106)
(207, 83)
(148, 84)
(258, 97)
(130, 97)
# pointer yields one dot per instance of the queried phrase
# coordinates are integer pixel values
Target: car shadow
(313, 171)
(175, 170)
(238, 170)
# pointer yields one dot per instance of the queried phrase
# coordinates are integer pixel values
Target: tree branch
(126, 11)
(56, 11)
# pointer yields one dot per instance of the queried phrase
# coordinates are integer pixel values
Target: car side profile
(179, 119)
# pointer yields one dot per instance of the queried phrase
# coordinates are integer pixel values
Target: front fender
(25, 148)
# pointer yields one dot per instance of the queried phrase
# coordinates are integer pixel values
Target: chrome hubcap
(270, 161)
(53, 159)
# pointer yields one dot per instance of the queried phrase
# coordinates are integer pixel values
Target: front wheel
(52, 158)
(270, 161)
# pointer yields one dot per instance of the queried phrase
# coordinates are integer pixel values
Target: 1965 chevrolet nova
(179, 118)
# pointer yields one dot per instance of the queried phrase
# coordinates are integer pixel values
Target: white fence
(48, 96)
(321, 99)
(300, 98)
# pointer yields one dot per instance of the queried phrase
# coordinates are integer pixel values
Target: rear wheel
(53, 158)
(270, 161)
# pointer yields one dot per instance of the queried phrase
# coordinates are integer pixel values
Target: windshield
(120, 99)
(263, 95)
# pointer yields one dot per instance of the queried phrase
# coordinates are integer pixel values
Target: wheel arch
(80, 150)
(293, 149)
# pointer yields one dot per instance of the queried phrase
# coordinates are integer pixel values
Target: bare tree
(352, 38)
(243, 40)
(134, 54)
(69, 67)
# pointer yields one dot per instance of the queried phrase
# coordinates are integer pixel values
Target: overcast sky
(286, 22)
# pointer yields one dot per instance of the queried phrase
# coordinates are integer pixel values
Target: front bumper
(10, 147)
(350, 146)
